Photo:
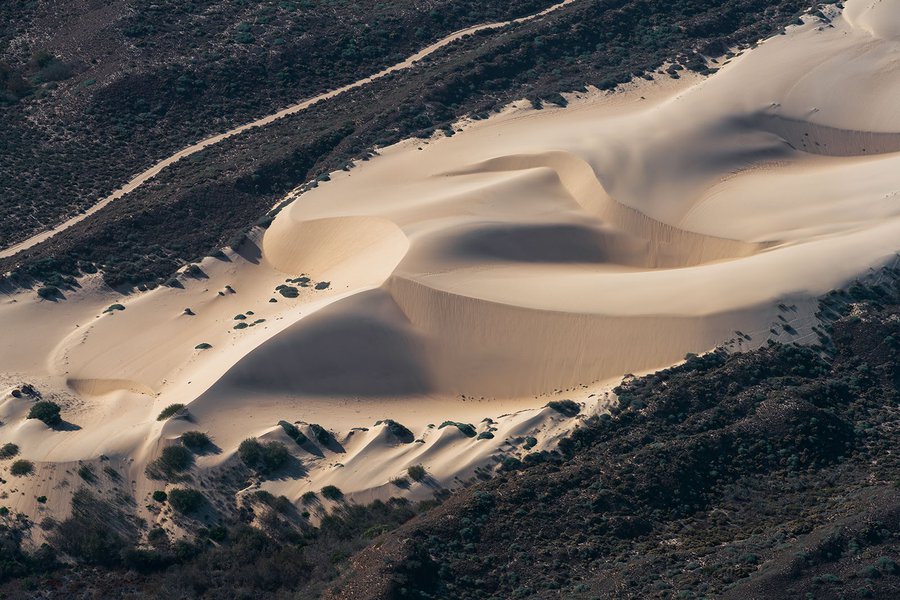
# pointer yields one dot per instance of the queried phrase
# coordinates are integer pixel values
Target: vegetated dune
(526, 258)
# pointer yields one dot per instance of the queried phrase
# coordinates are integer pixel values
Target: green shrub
(46, 411)
(49, 292)
(160, 496)
(416, 472)
(466, 428)
(186, 500)
(41, 499)
(114, 307)
(21, 468)
(332, 492)
(8, 451)
(172, 460)
(265, 458)
(203, 346)
(196, 440)
(169, 411)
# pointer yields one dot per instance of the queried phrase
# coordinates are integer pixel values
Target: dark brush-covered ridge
(768, 474)
(207, 201)
(93, 92)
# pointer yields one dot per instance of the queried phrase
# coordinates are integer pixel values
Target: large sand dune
(532, 256)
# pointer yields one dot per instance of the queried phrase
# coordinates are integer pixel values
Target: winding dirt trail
(143, 177)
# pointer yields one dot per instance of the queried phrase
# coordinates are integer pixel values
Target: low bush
(466, 428)
(416, 472)
(265, 458)
(169, 411)
(196, 440)
(186, 500)
(46, 411)
(569, 408)
(21, 468)
(8, 451)
(331, 492)
(160, 496)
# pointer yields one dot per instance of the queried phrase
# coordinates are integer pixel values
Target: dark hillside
(93, 92)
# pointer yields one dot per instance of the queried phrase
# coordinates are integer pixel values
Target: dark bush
(332, 492)
(416, 472)
(160, 496)
(46, 411)
(196, 440)
(8, 451)
(569, 408)
(265, 458)
(169, 411)
(22, 467)
(186, 500)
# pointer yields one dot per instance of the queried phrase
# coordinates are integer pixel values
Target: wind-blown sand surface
(534, 256)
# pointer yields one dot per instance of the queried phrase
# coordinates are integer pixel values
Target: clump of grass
(416, 472)
(170, 411)
(8, 451)
(21, 468)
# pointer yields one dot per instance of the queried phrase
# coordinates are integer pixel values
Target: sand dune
(537, 255)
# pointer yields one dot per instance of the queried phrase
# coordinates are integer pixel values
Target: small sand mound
(101, 387)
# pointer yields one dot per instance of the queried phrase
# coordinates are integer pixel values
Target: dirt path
(143, 177)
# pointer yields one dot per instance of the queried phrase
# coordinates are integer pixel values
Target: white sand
(532, 256)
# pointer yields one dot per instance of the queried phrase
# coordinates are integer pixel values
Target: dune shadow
(249, 251)
(558, 243)
(67, 426)
(362, 346)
